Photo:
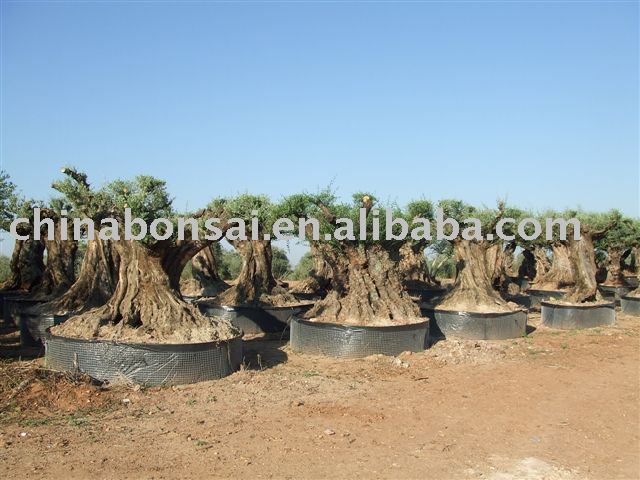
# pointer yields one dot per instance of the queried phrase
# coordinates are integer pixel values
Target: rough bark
(26, 267)
(59, 272)
(559, 276)
(367, 290)
(636, 254)
(499, 267)
(413, 267)
(145, 307)
(256, 284)
(615, 274)
(206, 280)
(542, 263)
(319, 280)
(95, 283)
(583, 269)
(473, 289)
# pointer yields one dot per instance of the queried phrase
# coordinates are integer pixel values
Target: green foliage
(303, 269)
(5, 267)
(280, 265)
(7, 199)
(229, 265)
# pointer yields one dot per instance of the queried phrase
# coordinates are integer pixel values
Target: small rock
(126, 401)
(328, 431)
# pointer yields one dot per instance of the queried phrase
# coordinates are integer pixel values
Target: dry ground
(552, 405)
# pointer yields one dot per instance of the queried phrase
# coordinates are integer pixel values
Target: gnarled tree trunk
(615, 275)
(473, 290)
(499, 267)
(95, 283)
(543, 265)
(145, 307)
(319, 280)
(206, 281)
(26, 267)
(413, 266)
(367, 290)
(636, 254)
(59, 273)
(583, 268)
(527, 269)
(559, 275)
(256, 283)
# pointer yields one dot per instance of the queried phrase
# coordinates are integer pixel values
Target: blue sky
(535, 102)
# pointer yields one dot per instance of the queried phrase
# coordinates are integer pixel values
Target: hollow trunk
(206, 280)
(413, 267)
(615, 275)
(26, 267)
(583, 268)
(559, 275)
(95, 283)
(473, 289)
(319, 280)
(256, 283)
(367, 290)
(145, 307)
(59, 273)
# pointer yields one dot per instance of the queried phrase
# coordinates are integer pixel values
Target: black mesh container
(343, 341)
(568, 317)
(630, 305)
(144, 364)
(254, 320)
(478, 326)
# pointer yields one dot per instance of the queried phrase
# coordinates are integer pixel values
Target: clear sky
(535, 102)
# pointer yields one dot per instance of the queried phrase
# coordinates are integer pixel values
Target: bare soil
(553, 405)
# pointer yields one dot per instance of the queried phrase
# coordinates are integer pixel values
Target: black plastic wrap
(254, 320)
(630, 305)
(568, 317)
(13, 306)
(330, 339)
(141, 363)
(478, 326)
(538, 296)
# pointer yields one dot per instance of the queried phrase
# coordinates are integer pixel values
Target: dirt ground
(553, 405)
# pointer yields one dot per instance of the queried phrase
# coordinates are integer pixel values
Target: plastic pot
(567, 317)
(538, 296)
(613, 293)
(343, 341)
(34, 326)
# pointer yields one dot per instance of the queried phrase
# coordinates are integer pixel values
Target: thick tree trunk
(367, 290)
(95, 284)
(583, 268)
(413, 267)
(559, 276)
(59, 273)
(615, 275)
(636, 254)
(499, 267)
(27, 266)
(256, 283)
(206, 280)
(473, 290)
(145, 307)
(542, 263)
(319, 280)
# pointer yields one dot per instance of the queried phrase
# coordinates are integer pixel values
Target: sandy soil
(554, 405)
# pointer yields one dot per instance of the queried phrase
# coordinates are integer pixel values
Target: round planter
(520, 299)
(538, 296)
(567, 317)
(344, 341)
(255, 320)
(33, 327)
(630, 305)
(478, 326)
(144, 363)
(612, 293)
